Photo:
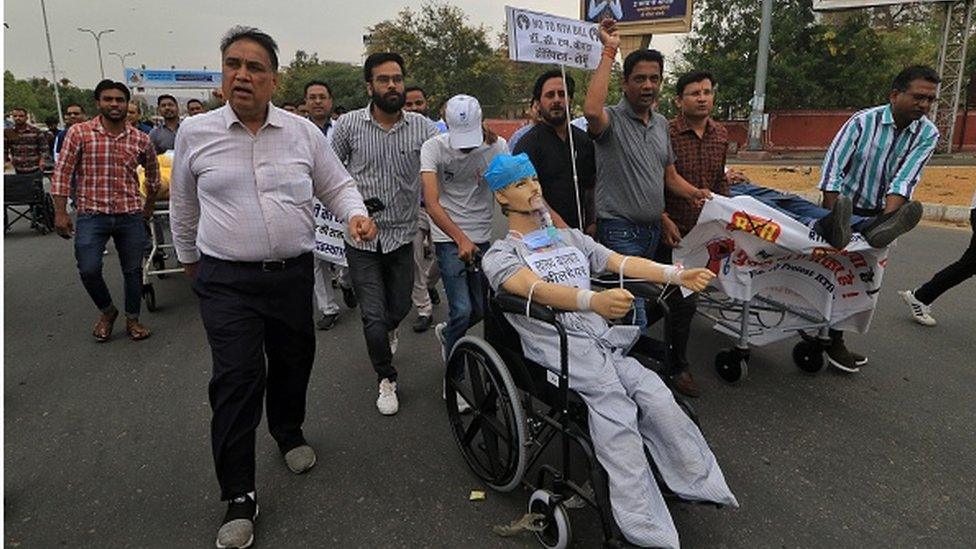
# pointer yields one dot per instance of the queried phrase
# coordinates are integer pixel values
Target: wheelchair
(24, 197)
(518, 407)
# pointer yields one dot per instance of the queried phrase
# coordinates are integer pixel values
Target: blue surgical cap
(506, 169)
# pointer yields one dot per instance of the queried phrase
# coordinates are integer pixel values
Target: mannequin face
(519, 195)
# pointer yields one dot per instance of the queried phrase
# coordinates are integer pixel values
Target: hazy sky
(186, 33)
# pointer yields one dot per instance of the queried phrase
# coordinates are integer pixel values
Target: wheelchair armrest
(649, 291)
(515, 304)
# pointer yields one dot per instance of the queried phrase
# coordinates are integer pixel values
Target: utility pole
(54, 72)
(952, 63)
(122, 57)
(98, 45)
(759, 94)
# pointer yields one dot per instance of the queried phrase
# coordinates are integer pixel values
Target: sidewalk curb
(930, 210)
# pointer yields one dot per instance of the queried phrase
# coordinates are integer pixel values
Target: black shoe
(435, 298)
(349, 298)
(885, 228)
(839, 357)
(327, 322)
(835, 227)
(237, 530)
(422, 324)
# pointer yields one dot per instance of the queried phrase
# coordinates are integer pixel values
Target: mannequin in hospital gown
(629, 406)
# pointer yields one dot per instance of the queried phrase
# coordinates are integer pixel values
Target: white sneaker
(439, 332)
(387, 402)
(920, 311)
(394, 337)
(462, 405)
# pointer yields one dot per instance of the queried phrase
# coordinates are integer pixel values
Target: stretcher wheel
(808, 356)
(731, 366)
(492, 437)
(149, 295)
(556, 532)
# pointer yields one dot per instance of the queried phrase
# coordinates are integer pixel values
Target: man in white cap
(460, 205)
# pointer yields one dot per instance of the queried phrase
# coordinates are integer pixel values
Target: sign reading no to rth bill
(535, 37)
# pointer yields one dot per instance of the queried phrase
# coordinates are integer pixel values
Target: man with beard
(380, 144)
(318, 97)
(164, 137)
(101, 156)
(195, 107)
(26, 145)
(425, 270)
(634, 160)
(547, 145)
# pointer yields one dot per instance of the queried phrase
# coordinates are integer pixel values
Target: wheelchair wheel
(149, 294)
(730, 366)
(492, 437)
(556, 532)
(808, 356)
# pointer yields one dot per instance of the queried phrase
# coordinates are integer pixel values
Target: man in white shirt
(241, 208)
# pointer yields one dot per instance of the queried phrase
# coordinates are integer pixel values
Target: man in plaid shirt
(103, 155)
(26, 145)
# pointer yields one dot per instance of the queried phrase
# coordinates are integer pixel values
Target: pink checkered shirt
(105, 168)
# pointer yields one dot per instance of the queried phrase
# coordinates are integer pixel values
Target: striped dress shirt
(240, 196)
(385, 165)
(870, 158)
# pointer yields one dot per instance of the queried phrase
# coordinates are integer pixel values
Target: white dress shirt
(240, 196)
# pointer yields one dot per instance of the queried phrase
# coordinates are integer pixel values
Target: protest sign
(542, 38)
(330, 235)
(757, 250)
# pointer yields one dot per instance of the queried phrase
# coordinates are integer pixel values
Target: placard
(535, 37)
(330, 232)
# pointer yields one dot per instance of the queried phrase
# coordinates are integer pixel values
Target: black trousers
(383, 282)
(259, 325)
(682, 312)
(954, 274)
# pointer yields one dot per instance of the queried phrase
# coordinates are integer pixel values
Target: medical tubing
(528, 301)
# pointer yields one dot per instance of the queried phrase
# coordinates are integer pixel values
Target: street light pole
(98, 45)
(759, 94)
(122, 57)
(54, 72)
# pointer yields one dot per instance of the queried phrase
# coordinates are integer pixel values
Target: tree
(346, 80)
(36, 95)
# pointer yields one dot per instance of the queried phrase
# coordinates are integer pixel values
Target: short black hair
(913, 73)
(288, 104)
(21, 109)
(378, 59)
(159, 99)
(340, 110)
(318, 83)
(79, 105)
(193, 101)
(692, 78)
(111, 85)
(409, 89)
(637, 56)
(545, 77)
(253, 34)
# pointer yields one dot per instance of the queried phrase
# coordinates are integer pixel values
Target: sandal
(103, 328)
(136, 330)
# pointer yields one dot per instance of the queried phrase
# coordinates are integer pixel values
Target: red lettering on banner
(764, 228)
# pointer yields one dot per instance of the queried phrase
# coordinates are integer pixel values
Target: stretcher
(776, 278)
(155, 262)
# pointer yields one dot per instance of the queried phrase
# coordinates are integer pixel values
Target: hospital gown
(629, 406)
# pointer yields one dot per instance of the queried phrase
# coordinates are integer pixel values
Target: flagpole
(572, 149)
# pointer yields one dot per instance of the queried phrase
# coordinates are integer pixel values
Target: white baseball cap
(463, 117)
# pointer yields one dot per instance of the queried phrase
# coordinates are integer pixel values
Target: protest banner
(330, 235)
(535, 37)
(757, 250)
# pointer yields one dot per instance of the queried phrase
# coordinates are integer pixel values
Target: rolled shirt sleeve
(184, 206)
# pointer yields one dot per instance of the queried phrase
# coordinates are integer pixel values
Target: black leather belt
(267, 265)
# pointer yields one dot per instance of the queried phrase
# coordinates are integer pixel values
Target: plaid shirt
(105, 166)
(26, 148)
(701, 161)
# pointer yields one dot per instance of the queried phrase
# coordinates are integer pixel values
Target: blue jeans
(92, 232)
(465, 292)
(797, 207)
(628, 238)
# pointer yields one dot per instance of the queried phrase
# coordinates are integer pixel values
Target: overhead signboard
(172, 79)
(826, 5)
(640, 17)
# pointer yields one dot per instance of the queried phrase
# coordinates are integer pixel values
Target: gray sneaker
(300, 459)
(887, 227)
(237, 532)
(835, 227)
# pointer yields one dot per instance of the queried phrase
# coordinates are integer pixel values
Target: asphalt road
(107, 445)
